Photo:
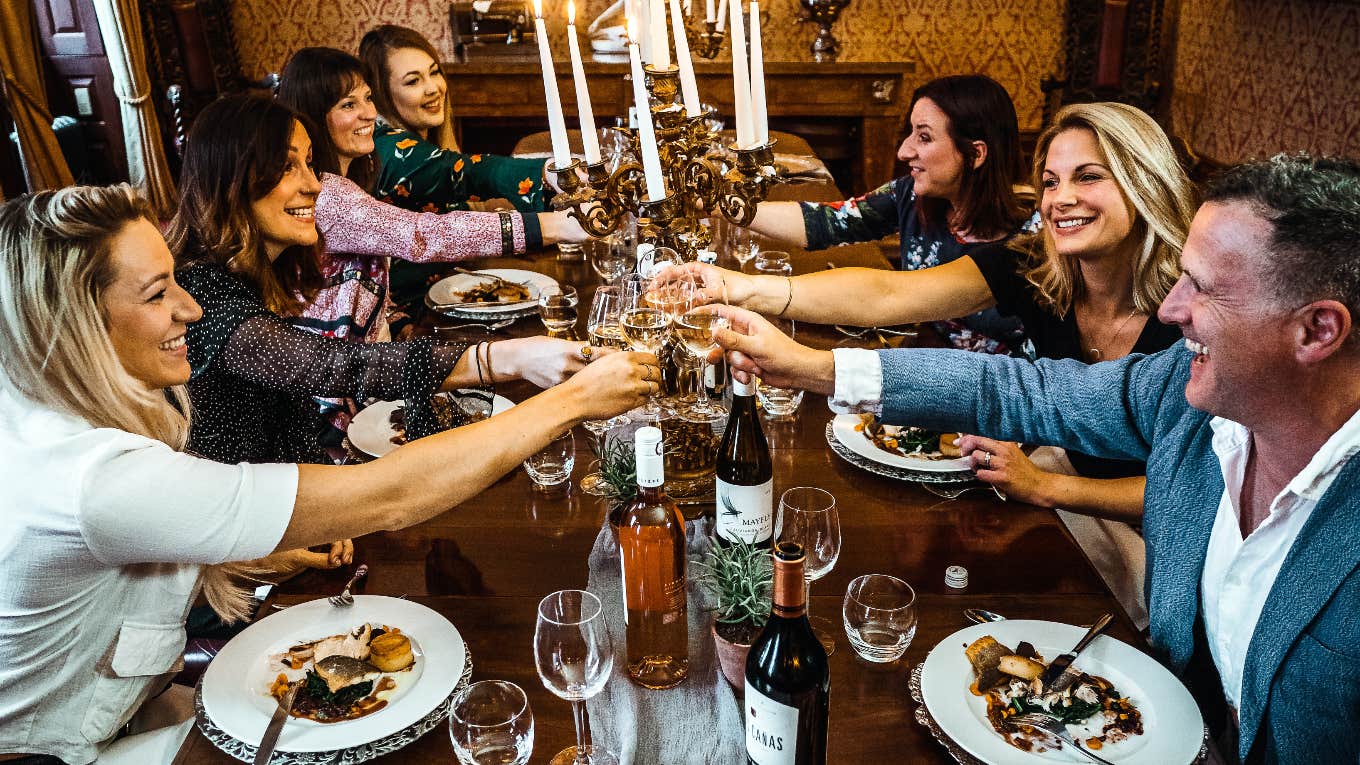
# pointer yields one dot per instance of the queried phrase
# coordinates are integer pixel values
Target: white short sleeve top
(103, 537)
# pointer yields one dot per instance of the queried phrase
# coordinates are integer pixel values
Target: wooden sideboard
(870, 99)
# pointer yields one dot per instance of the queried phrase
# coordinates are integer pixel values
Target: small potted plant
(618, 469)
(740, 577)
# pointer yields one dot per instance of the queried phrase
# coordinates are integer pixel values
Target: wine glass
(557, 309)
(574, 657)
(744, 244)
(808, 516)
(490, 722)
(603, 324)
(611, 256)
(645, 328)
(697, 329)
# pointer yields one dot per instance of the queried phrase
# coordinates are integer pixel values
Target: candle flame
(538, 9)
(571, 12)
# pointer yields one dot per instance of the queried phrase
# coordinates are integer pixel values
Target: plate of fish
(363, 673)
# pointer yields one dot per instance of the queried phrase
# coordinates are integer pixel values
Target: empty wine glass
(744, 244)
(490, 722)
(574, 657)
(557, 308)
(807, 515)
(611, 256)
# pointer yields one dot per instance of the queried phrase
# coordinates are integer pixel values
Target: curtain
(44, 166)
(120, 24)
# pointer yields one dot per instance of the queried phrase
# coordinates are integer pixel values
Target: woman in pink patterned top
(361, 233)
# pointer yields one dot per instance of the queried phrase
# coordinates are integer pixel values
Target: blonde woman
(1116, 206)
(109, 523)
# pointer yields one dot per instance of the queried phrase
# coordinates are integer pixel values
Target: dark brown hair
(314, 81)
(237, 153)
(979, 109)
(378, 44)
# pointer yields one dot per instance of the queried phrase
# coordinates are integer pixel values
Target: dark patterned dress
(415, 174)
(255, 375)
(891, 209)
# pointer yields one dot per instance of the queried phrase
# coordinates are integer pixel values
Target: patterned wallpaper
(1256, 77)
(1023, 36)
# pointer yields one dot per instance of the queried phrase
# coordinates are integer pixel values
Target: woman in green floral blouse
(420, 166)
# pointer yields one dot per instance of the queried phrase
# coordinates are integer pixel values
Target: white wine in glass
(645, 329)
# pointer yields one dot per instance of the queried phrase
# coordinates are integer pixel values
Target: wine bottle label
(771, 729)
(648, 589)
(745, 513)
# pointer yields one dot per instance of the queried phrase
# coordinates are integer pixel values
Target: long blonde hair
(55, 264)
(1151, 179)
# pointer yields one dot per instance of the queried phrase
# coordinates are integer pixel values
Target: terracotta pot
(732, 659)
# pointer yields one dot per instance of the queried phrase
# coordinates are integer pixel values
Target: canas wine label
(771, 730)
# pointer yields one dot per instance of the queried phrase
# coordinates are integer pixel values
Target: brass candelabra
(701, 181)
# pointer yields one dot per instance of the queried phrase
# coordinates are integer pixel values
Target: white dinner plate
(371, 430)
(843, 426)
(1172, 728)
(236, 684)
(445, 291)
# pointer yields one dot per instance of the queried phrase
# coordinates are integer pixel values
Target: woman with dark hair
(331, 88)
(246, 243)
(963, 151)
(112, 528)
(420, 164)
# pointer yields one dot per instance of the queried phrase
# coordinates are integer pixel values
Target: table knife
(275, 727)
(1060, 674)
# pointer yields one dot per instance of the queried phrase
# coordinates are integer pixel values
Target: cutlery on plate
(1055, 727)
(271, 733)
(982, 615)
(485, 275)
(1061, 673)
(344, 598)
(475, 303)
(492, 327)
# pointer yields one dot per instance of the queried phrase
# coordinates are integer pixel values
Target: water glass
(557, 308)
(779, 403)
(773, 262)
(490, 722)
(575, 658)
(880, 617)
(551, 466)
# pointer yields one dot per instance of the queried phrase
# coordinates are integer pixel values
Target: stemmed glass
(645, 328)
(697, 329)
(574, 657)
(605, 332)
(808, 516)
(744, 244)
(490, 721)
(611, 256)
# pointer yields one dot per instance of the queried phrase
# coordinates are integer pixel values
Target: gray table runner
(698, 722)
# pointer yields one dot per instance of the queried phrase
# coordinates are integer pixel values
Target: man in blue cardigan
(1252, 509)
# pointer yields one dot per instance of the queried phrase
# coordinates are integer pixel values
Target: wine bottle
(652, 557)
(788, 681)
(745, 479)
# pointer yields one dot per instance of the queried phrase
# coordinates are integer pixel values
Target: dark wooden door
(80, 85)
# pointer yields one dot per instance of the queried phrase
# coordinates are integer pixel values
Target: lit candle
(557, 124)
(761, 120)
(741, 80)
(589, 140)
(651, 160)
(708, 10)
(722, 16)
(661, 47)
(689, 89)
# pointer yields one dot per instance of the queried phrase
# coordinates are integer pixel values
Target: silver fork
(1053, 726)
(492, 327)
(344, 598)
(956, 493)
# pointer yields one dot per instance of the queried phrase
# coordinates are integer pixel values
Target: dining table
(487, 563)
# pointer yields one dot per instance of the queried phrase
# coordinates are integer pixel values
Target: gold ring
(586, 352)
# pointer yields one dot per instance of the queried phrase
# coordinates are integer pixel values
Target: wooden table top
(486, 564)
